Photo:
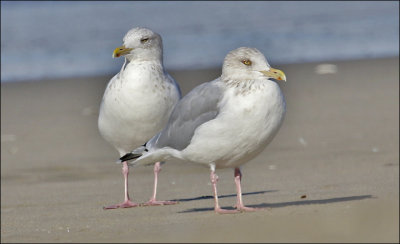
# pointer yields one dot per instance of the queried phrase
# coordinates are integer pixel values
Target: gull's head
(247, 63)
(140, 43)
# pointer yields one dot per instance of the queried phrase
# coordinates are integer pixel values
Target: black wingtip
(129, 156)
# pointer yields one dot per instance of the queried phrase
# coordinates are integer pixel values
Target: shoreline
(215, 70)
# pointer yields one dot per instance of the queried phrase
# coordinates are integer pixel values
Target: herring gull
(223, 123)
(137, 101)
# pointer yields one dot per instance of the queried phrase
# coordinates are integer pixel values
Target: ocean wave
(69, 39)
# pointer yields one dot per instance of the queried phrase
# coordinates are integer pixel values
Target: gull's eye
(246, 62)
(144, 40)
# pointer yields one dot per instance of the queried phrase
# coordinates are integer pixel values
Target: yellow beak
(121, 51)
(274, 73)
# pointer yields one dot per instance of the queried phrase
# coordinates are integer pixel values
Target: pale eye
(144, 40)
(246, 62)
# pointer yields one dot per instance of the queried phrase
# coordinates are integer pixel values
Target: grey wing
(197, 107)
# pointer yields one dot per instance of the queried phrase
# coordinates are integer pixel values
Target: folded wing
(197, 107)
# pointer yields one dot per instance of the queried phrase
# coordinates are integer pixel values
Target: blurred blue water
(70, 39)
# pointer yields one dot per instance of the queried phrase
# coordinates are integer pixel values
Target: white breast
(229, 141)
(135, 106)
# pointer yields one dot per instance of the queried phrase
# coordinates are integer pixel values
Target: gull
(137, 101)
(223, 123)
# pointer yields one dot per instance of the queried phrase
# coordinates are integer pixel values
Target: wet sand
(330, 175)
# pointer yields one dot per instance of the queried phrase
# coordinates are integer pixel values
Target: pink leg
(217, 208)
(239, 202)
(127, 203)
(153, 201)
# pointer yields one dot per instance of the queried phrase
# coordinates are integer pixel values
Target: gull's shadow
(285, 204)
(222, 196)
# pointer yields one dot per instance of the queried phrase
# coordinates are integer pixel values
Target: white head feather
(244, 63)
(146, 45)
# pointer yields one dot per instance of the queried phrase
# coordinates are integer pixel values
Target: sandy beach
(330, 175)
